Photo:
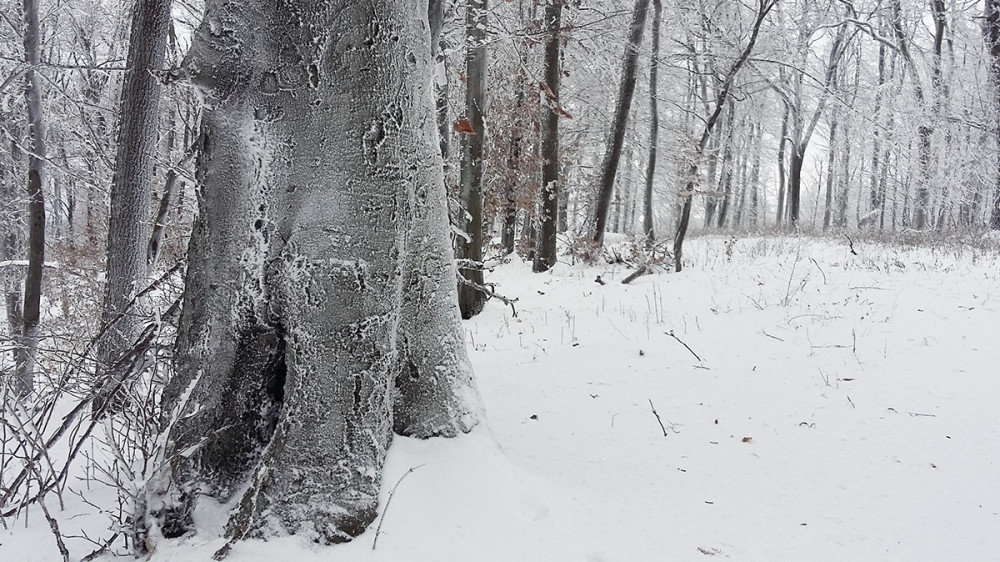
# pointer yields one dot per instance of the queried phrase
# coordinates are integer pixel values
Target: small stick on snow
(658, 420)
(671, 334)
(816, 263)
(772, 337)
(392, 493)
(851, 244)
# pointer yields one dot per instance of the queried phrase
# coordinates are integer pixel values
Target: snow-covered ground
(815, 405)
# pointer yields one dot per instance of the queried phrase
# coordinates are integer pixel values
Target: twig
(671, 334)
(851, 244)
(489, 293)
(816, 263)
(54, 525)
(104, 548)
(658, 420)
(392, 493)
(772, 337)
(788, 288)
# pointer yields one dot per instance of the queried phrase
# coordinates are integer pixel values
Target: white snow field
(815, 405)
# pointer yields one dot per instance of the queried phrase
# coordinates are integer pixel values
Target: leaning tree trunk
(470, 298)
(545, 254)
(763, 8)
(654, 128)
(128, 230)
(25, 355)
(609, 167)
(320, 309)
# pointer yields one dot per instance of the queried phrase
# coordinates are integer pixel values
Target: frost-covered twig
(489, 293)
(389, 500)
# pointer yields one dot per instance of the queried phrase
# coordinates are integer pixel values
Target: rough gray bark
(128, 229)
(654, 127)
(320, 307)
(545, 252)
(616, 138)
(25, 355)
(470, 299)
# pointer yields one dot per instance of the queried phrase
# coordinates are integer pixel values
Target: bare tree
(654, 127)
(763, 8)
(31, 309)
(320, 309)
(470, 298)
(128, 231)
(616, 137)
(545, 254)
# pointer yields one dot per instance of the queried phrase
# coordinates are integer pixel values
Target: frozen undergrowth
(817, 405)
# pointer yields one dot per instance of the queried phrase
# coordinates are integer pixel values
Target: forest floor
(780, 399)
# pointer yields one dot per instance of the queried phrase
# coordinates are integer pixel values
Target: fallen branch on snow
(388, 501)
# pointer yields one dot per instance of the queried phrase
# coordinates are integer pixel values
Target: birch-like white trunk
(321, 309)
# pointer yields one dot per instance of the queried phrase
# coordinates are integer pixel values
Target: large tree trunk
(609, 167)
(470, 298)
(654, 127)
(320, 309)
(128, 230)
(25, 355)
(545, 253)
